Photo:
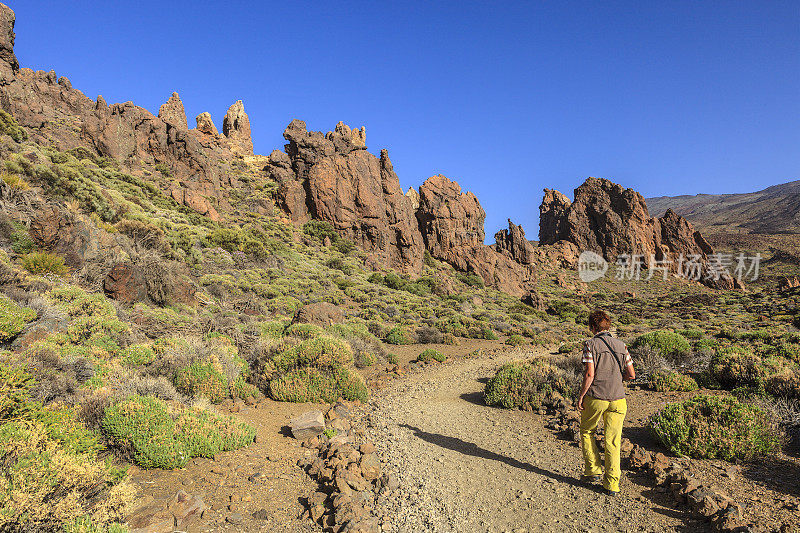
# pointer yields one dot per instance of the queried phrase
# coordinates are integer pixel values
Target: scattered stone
(308, 425)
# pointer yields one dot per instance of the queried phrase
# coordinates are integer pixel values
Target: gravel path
(465, 467)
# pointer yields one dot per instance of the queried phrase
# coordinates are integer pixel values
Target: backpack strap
(613, 352)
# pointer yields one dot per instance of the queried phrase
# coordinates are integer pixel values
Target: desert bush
(691, 333)
(138, 355)
(527, 382)
(319, 229)
(9, 126)
(663, 380)
(737, 366)
(471, 279)
(13, 318)
(515, 340)
(303, 331)
(717, 427)
(670, 345)
(44, 263)
(49, 468)
(157, 436)
(431, 355)
(21, 241)
(363, 358)
(565, 310)
(397, 335)
(429, 335)
(158, 387)
(309, 384)
(202, 379)
(784, 384)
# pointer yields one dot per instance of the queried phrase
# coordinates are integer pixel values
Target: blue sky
(505, 97)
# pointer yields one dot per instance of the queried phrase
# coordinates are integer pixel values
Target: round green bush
(397, 335)
(138, 355)
(308, 384)
(664, 380)
(717, 427)
(667, 343)
(520, 382)
(431, 355)
(201, 379)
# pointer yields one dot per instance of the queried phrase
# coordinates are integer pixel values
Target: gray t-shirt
(607, 384)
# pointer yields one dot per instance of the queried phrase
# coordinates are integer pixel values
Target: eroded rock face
(236, 127)
(53, 112)
(205, 124)
(172, 112)
(512, 243)
(8, 61)
(611, 220)
(333, 177)
(451, 221)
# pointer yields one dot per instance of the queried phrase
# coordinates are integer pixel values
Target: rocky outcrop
(8, 61)
(333, 177)
(612, 220)
(236, 127)
(451, 221)
(205, 124)
(552, 216)
(54, 113)
(173, 113)
(512, 243)
(413, 195)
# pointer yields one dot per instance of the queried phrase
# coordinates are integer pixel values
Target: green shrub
(364, 359)
(202, 379)
(690, 333)
(164, 170)
(138, 355)
(9, 126)
(319, 229)
(519, 383)
(471, 279)
(568, 347)
(515, 340)
(321, 352)
(158, 437)
(13, 318)
(667, 343)
(431, 355)
(565, 310)
(663, 380)
(21, 241)
(304, 331)
(716, 427)
(392, 359)
(309, 384)
(44, 263)
(397, 335)
(229, 239)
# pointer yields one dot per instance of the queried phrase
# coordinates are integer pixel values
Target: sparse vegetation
(717, 427)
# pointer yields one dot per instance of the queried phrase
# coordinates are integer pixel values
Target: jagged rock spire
(236, 127)
(173, 112)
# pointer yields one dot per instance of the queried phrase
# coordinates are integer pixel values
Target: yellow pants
(613, 414)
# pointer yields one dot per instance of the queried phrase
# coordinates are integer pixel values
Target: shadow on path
(470, 448)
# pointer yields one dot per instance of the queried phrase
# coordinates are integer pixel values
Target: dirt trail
(466, 467)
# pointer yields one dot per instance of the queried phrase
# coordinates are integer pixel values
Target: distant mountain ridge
(772, 210)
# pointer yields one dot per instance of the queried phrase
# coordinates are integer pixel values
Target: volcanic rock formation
(333, 177)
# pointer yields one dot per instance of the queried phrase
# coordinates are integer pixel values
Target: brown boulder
(236, 127)
(125, 283)
(552, 216)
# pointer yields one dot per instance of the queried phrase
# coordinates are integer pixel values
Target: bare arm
(630, 373)
(588, 377)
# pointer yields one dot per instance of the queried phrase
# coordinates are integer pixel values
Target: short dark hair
(599, 320)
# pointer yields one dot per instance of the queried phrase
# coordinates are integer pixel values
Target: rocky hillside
(772, 210)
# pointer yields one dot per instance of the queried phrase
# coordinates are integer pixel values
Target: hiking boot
(590, 479)
(609, 492)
